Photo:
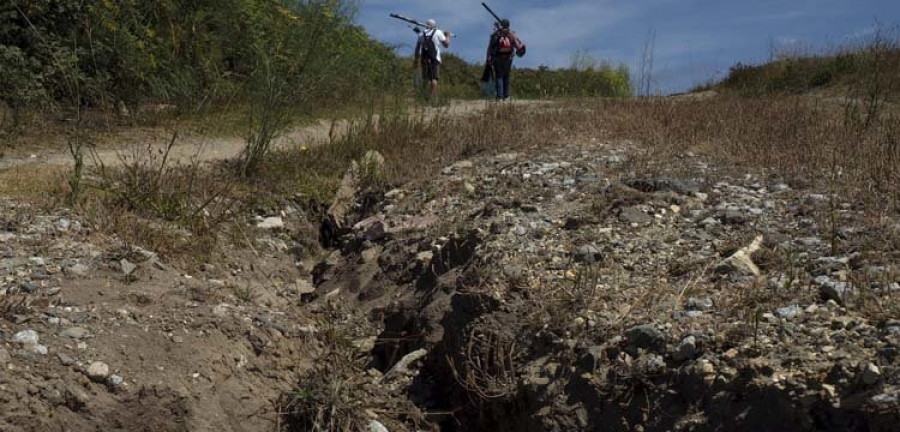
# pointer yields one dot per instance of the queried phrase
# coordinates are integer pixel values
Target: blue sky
(696, 40)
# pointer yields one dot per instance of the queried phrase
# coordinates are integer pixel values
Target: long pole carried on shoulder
(417, 23)
(491, 11)
(409, 20)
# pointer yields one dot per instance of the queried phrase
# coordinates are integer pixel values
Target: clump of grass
(872, 63)
(245, 293)
(413, 146)
(791, 138)
(336, 394)
(150, 200)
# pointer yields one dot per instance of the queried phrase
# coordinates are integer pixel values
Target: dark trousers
(501, 83)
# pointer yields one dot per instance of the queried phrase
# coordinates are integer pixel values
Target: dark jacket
(503, 63)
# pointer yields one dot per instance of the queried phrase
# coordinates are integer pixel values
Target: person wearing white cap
(428, 52)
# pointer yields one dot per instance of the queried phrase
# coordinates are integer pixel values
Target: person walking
(428, 52)
(502, 49)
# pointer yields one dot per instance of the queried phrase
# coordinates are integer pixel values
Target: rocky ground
(551, 289)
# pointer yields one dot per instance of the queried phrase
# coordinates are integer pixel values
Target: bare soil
(190, 147)
(547, 289)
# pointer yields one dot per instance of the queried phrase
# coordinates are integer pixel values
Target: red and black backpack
(504, 46)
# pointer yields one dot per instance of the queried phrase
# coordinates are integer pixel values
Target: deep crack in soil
(546, 290)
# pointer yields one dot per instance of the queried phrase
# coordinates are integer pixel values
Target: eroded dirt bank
(545, 290)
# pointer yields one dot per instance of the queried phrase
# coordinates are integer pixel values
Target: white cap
(431, 24)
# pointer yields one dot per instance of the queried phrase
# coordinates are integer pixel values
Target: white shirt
(439, 38)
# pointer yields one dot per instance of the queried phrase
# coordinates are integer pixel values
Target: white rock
(741, 262)
(74, 333)
(79, 270)
(115, 381)
(98, 371)
(871, 374)
(127, 267)
(271, 223)
(375, 426)
(305, 287)
(221, 310)
(402, 366)
(27, 337)
(37, 349)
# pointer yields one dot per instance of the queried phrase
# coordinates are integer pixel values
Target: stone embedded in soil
(741, 262)
(403, 366)
(37, 349)
(127, 267)
(115, 381)
(810, 242)
(683, 187)
(633, 215)
(687, 349)
(655, 363)
(28, 287)
(370, 255)
(592, 358)
(830, 289)
(780, 187)
(304, 287)
(734, 217)
(871, 374)
(789, 312)
(698, 304)
(513, 272)
(573, 224)
(4, 358)
(892, 327)
(26, 337)
(731, 354)
(74, 333)
(646, 337)
(375, 426)
(886, 398)
(65, 359)
(373, 228)
(98, 371)
(271, 223)
(587, 254)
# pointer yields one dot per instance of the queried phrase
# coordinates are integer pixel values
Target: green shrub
(101, 52)
(873, 64)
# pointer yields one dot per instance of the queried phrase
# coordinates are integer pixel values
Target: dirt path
(200, 148)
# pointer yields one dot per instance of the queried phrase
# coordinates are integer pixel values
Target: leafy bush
(585, 77)
(99, 53)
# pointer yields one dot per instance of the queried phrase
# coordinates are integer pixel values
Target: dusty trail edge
(196, 148)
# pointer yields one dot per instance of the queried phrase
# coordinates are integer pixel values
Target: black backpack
(429, 49)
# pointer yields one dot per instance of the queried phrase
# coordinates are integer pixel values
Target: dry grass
(804, 141)
(184, 210)
(35, 182)
(807, 142)
(413, 147)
